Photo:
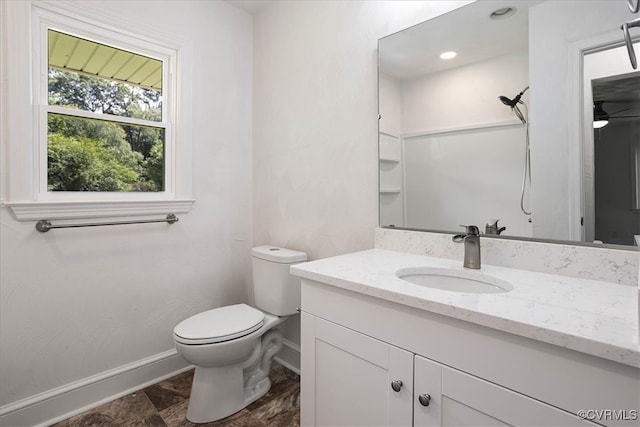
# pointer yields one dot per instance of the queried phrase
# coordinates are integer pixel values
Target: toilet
(232, 347)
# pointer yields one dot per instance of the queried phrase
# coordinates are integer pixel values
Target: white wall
(315, 135)
(315, 120)
(464, 96)
(74, 303)
(553, 27)
(390, 104)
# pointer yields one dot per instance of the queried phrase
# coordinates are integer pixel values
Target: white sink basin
(454, 280)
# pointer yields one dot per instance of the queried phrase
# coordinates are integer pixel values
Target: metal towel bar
(43, 226)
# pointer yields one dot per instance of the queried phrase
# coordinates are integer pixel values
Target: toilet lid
(220, 324)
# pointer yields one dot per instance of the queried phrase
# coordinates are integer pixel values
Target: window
(104, 116)
(105, 126)
(106, 105)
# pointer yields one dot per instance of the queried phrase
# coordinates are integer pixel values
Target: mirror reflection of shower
(526, 173)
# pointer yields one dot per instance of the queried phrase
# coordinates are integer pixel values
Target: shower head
(513, 103)
(508, 102)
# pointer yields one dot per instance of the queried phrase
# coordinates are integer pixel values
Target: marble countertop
(590, 316)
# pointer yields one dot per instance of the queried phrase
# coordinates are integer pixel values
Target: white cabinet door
(459, 399)
(427, 383)
(347, 378)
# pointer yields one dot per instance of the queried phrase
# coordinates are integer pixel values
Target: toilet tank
(275, 289)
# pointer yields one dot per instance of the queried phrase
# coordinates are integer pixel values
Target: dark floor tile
(131, 410)
(243, 418)
(175, 416)
(180, 384)
(284, 387)
(170, 392)
(280, 371)
(162, 398)
(285, 419)
(165, 404)
(282, 409)
(155, 420)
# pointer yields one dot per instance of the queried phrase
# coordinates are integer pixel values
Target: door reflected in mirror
(612, 148)
(482, 136)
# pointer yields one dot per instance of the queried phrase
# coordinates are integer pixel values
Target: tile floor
(165, 404)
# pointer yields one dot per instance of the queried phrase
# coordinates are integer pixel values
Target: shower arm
(524, 90)
(517, 100)
(515, 108)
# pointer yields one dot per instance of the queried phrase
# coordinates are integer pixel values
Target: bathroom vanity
(378, 350)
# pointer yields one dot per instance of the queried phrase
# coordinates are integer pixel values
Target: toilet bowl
(231, 372)
(232, 347)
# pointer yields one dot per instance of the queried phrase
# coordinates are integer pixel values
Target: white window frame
(26, 194)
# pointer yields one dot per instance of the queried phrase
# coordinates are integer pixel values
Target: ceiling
(251, 6)
(620, 94)
(415, 51)
(71, 53)
(617, 88)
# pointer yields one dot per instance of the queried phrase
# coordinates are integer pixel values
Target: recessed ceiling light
(503, 13)
(448, 55)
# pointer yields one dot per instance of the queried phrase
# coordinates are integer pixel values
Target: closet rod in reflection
(43, 226)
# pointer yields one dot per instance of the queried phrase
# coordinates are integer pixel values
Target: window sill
(34, 211)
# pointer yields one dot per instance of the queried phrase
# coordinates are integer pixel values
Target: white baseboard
(71, 399)
(289, 356)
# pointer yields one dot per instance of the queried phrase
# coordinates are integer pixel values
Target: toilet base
(256, 392)
(217, 392)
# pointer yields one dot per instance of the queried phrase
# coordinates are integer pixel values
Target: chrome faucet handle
(493, 228)
(470, 230)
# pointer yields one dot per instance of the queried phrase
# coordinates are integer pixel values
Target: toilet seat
(219, 325)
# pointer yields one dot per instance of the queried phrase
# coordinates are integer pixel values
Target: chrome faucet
(471, 241)
(493, 228)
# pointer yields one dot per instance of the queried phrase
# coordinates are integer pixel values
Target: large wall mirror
(500, 133)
